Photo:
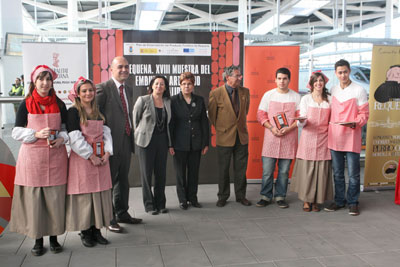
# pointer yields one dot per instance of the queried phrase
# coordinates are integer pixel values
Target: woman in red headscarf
(38, 207)
(312, 172)
(89, 204)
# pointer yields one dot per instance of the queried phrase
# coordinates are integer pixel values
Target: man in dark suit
(114, 98)
(227, 110)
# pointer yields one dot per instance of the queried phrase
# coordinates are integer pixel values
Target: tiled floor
(233, 236)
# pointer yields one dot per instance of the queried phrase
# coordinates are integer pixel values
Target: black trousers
(119, 166)
(240, 156)
(153, 159)
(187, 164)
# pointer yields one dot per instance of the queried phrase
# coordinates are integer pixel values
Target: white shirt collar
(118, 84)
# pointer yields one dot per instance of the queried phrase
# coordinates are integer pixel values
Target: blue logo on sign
(188, 50)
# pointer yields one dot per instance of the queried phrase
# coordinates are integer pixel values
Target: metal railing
(11, 99)
(8, 100)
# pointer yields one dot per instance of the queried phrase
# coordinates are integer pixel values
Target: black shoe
(97, 237)
(333, 207)
(263, 203)
(126, 218)
(244, 202)
(196, 204)
(114, 227)
(183, 206)
(153, 212)
(282, 204)
(87, 239)
(221, 203)
(164, 210)
(354, 211)
(38, 249)
(55, 247)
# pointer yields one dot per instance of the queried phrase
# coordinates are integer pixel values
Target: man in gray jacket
(114, 98)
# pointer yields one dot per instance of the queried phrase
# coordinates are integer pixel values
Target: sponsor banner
(68, 60)
(260, 65)
(151, 53)
(383, 132)
(157, 49)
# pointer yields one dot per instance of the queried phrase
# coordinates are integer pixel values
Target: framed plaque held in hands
(281, 120)
(98, 149)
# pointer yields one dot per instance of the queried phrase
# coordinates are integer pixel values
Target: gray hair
(228, 71)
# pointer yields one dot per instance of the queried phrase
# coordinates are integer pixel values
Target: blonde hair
(81, 110)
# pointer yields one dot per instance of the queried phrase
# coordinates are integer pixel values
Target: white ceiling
(320, 26)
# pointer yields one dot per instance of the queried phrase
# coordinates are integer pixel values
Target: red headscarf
(73, 93)
(35, 100)
(323, 75)
(40, 68)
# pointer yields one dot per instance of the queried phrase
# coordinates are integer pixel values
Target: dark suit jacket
(110, 106)
(224, 119)
(189, 125)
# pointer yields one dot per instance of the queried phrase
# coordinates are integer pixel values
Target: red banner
(260, 64)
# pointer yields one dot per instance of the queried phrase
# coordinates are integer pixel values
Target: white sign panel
(68, 60)
(165, 49)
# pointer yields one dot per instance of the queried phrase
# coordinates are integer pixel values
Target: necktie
(234, 101)
(127, 126)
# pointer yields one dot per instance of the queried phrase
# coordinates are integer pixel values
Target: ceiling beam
(219, 2)
(328, 20)
(285, 5)
(89, 14)
(349, 20)
(357, 8)
(57, 9)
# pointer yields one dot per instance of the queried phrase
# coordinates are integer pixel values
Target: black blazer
(110, 106)
(189, 127)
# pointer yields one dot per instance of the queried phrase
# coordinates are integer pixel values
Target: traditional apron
(283, 147)
(83, 176)
(38, 165)
(341, 138)
(313, 143)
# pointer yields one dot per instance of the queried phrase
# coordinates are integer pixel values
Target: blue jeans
(268, 178)
(353, 166)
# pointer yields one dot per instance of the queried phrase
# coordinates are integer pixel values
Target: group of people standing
(331, 134)
(90, 189)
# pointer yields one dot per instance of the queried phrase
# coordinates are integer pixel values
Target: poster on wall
(383, 132)
(68, 60)
(260, 65)
(151, 53)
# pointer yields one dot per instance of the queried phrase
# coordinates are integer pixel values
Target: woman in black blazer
(189, 131)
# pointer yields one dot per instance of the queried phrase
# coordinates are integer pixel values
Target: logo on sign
(55, 59)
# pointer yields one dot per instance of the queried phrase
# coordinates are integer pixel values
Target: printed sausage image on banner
(7, 174)
(383, 128)
(390, 89)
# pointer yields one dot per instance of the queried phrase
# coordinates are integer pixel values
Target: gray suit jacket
(144, 119)
(110, 106)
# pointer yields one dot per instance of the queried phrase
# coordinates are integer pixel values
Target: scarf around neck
(49, 102)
